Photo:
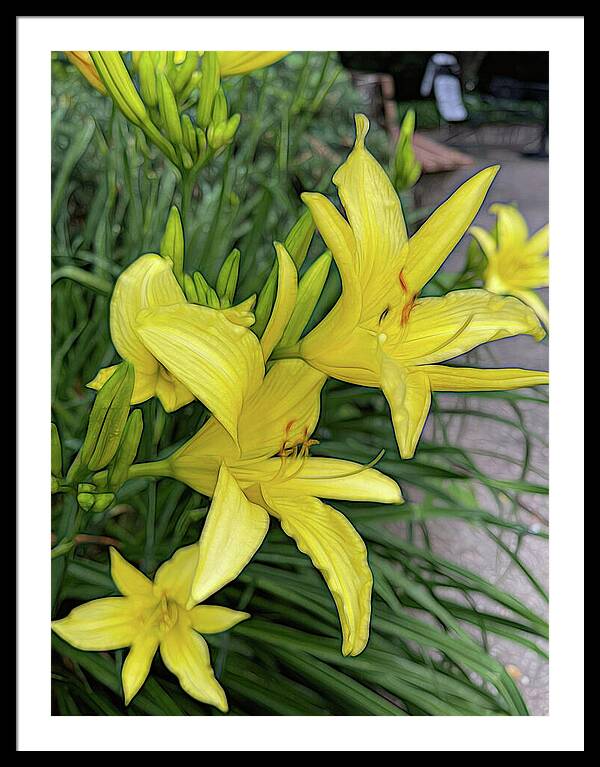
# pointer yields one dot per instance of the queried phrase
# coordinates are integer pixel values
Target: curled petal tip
(362, 128)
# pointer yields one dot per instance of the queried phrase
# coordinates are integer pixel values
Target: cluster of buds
(179, 102)
(407, 169)
(109, 447)
(170, 85)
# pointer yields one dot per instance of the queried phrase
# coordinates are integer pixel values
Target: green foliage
(112, 198)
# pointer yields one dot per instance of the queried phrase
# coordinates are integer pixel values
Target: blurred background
(110, 202)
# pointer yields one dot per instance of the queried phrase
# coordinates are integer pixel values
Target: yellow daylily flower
(380, 333)
(181, 351)
(517, 263)
(242, 62)
(159, 615)
(276, 474)
(83, 61)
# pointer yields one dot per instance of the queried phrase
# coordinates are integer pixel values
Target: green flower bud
(219, 112)
(86, 500)
(128, 447)
(231, 127)
(102, 501)
(147, 73)
(407, 168)
(172, 243)
(169, 113)
(209, 86)
(228, 276)
(55, 451)
(297, 244)
(108, 418)
(190, 289)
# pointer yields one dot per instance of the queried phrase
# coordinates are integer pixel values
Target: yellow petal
(241, 62)
(83, 61)
(171, 392)
(174, 577)
(444, 327)
(437, 237)
(533, 300)
(353, 358)
(338, 479)
(376, 219)
(538, 244)
(127, 578)
(137, 663)
(145, 385)
(211, 619)
(102, 624)
(450, 378)
(149, 282)
(218, 361)
(409, 396)
(282, 410)
(512, 227)
(285, 301)
(486, 241)
(338, 551)
(232, 532)
(338, 236)
(186, 655)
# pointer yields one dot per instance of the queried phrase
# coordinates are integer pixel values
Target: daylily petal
(175, 576)
(102, 624)
(186, 655)
(147, 283)
(127, 578)
(338, 551)
(137, 663)
(439, 234)
(241, 62)
(171, 392)
(285, 301)
(451, 378)
(444, 327)
(353, 357)
(408, 394)
(339, 238)
(532, 299)
(376, 219)
(486, 241)
(283, 410)
(212, 619)
(538, 243)
(512, 227)
(336, 479)
(218, 361)
(232, 532)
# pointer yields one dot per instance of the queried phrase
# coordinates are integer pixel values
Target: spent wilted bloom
(275, 471)
(516, 263)
(380, 333)
(161, 614)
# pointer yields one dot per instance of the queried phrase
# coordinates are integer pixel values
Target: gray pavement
(524, 181)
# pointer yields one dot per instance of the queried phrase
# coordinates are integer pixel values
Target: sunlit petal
(444, 327)
(186, 655)
(212, 619)
(450, 378)
(439, 234)
(408, 394)
(137, 663)
(338, 551)
(232, 532)
(127, 578)
(102, 624)
(285, 300)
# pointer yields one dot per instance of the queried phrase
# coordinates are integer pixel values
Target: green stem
(150, 469)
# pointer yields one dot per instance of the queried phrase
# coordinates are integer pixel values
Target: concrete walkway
(524, 181)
